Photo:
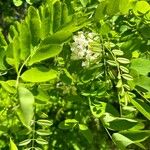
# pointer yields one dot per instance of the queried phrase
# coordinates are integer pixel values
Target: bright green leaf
(45, 52)
(35, 25)
(41, 141)
(27, 104)
(39, 74)
(13, 145)
(142, 66)
(17, 2)
(25, 142)
(121, 141)
(44, 122)
(123, 60)
(142, 107)
(142, 7)
(25, 41)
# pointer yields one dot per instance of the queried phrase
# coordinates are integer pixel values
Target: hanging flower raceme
(86, 47)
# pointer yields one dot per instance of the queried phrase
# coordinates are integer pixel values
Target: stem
(19, 72)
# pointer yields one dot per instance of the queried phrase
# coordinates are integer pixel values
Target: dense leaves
(71, 69)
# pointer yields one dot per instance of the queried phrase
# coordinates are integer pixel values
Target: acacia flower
(82, 48)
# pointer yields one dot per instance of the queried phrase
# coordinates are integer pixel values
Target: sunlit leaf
(124, 69)
(26, 99)
(25, 142)
(45, 52)
(43, 132)
(127, 76)
(142, 7)
(43, 122)
(112, 62)
(17, 2)
(142, 107)
(13, 145)
(142, 66)
(123, 60)
(39, 74)
(35, 25)
(41, 141)
(117, 52)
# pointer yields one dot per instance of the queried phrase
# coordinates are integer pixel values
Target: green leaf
(123, 60)
(41, 141)
(17, 2)
(143, 82)
(127, 77)
(39, 74)
(57, 14)
(112, 63)
(27, 105)
(86, 133)
(25, 40)
(142, 107)
(142, 66)
(121, 141)
(68, 124)
(12, 33)
(112, 7)
(44, 122)
(137, 136)
(84, 2)
(124, 6)
(9, 86)
(65, 14)
(13, 145)
(13, 53)
(25, 142)
(124, 69)
(2, 40)
(30, 1)
(35, 25)
(118, 124)
(2, 56)
(117, 52)
(100, 11)
(45, 52)
(142, 7)
(42, 132)
(98, 110)
(105, 28)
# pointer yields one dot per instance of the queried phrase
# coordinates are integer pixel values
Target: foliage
(71, 69)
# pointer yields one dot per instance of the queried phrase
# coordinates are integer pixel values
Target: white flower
(81, 48)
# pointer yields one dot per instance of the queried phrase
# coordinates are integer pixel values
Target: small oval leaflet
(41, 141)
(44, 122)
(25, 142)
(43, 132)
(124, 69)
(123, 60)
(112, 63)
(127, 87)
(127, 76)
(117, 52)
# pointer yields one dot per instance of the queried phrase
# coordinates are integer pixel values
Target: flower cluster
(86, 47)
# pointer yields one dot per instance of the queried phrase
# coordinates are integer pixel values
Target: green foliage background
(50, 101)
